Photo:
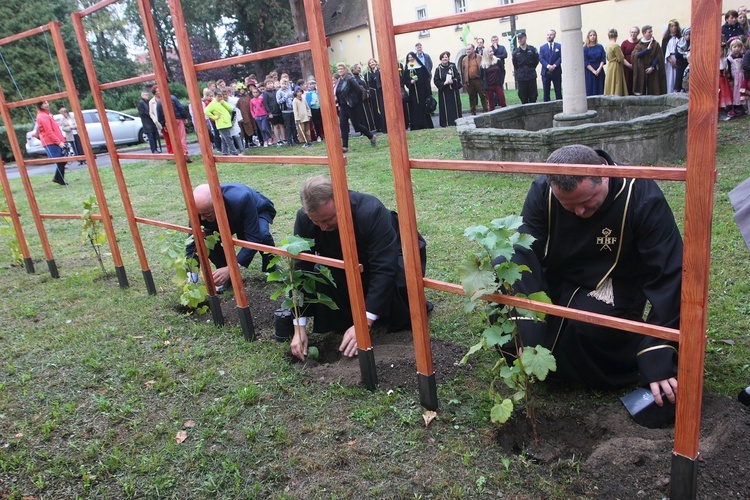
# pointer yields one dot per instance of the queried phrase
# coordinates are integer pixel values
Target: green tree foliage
(254, 27)
(33, 64)
(28, 60)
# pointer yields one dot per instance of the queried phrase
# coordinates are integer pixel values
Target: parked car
(126, 129)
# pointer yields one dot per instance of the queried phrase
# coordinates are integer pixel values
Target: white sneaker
(265, 144)
(319, 139)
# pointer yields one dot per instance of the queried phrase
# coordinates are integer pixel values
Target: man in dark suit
(379, 253)
(149, 127)
(249, 214)
(550, 58)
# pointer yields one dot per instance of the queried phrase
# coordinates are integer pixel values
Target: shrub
(20, 130)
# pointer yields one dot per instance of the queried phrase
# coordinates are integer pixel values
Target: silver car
(126, 129)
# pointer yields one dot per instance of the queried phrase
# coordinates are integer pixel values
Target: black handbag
(431, 104)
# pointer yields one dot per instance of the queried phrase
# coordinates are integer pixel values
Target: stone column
(575, 109)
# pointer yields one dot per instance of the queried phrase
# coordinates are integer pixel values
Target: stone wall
(636, 130)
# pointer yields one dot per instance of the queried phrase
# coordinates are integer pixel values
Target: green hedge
(5, 153)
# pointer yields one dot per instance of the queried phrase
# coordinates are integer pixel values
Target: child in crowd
(302, 116)
(221, 113)
(236, 131)
(736, 77)
(273, 111)
(284, 97)
(313, 100)
(261, 116)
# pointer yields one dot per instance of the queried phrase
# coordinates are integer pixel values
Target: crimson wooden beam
(277, 160)
(286, 50)
(24, 34)
(150, 77)
(699, 195)
(34, 100)
(96, 182)
(192, 84)
(97, 6)
(12, 213)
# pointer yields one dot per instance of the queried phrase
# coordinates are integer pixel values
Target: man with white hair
(249, 214)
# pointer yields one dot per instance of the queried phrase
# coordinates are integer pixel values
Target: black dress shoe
(744, 396)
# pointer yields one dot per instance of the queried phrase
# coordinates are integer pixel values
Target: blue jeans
(54, 151)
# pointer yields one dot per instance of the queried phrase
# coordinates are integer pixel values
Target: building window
(460, 6)
(505, 2)
(421, 16)
(359, 41)
(341, 45)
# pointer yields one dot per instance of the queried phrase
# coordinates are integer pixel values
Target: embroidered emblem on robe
(605, 240)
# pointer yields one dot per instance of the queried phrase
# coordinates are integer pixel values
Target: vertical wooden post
(114, 158)
(27, 262)
(96, 182)
(699, 189)
(337, 167)
(397, 142)
(28, 189)
(191, 82)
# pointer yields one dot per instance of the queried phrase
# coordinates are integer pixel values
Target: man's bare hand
(221, 276)
(348, 345)
(299, 343)
(668, 387)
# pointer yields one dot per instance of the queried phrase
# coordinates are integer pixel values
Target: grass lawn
(96, 382)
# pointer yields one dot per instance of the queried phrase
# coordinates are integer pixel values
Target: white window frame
(459, 6)
(505, 2)
(421, 13)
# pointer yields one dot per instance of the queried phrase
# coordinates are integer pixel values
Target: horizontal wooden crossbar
(508, 10)
(283, 160)
(565, 312)
(34, 100)
(50, 161)
(68, 216)
(24, 34)
(254, 56)
(150, 77)
(656, 173)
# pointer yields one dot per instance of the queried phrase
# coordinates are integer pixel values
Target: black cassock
(418, 93)
(629, 251)
(449, 96)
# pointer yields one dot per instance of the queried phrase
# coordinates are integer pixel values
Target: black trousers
(347, 114)
(527, 91)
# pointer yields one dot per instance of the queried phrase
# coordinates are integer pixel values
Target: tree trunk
(300, 32)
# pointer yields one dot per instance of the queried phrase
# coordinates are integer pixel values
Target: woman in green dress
(614, 82)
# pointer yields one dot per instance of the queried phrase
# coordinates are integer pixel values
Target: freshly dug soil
(618, 458)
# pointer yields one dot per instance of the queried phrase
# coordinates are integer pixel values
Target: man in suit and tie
(550, 56)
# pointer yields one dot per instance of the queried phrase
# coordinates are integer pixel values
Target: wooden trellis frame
(71, 95)
(318, 47)
(699, 178)
(178, 154)
(12, 212)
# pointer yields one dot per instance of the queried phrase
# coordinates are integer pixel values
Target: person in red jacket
(52, 139)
